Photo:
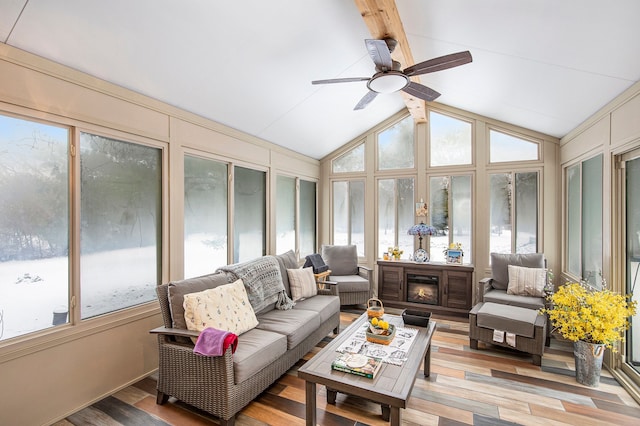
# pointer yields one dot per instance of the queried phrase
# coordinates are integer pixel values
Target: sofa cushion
(225, 307)
(501, 297)
(499, 262)
(177, 290)
(342, 260)
(513, 319)
(526, 281)
(286, 261)
(326, 306)
(296, 324)
(302, 283)
(350, 283)
(257, 349)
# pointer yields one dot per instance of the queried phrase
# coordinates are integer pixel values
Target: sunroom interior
(112, 182)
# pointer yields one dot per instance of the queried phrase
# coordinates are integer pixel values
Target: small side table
(322, 277)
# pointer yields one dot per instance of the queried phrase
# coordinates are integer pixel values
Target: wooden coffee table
(390, 388)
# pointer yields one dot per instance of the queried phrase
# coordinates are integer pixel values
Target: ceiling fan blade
(439, 64)
(420, 91)
(340, 80)
(366, 99)
(380, 54)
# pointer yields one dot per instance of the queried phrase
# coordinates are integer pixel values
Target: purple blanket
(213, 342)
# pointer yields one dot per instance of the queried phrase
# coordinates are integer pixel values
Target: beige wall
(480, 170)
(52, 374)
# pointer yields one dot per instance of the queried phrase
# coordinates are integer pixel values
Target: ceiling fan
(389, 78)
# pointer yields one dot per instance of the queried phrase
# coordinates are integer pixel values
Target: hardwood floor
(489, 386)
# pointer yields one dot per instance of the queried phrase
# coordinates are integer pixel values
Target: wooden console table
(430, 286)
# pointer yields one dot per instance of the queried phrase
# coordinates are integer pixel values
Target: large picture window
(513, 212)
(584, 220)
(34, 226)
(121, 216)
(285, 214)
(395, 214)
(308, 218)
(205, 215)
(450, 205)
(396, 146)
(348, 213)
(450, 140)
(350, 161)
(250, 214)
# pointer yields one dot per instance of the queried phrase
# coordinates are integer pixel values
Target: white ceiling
(546, 65)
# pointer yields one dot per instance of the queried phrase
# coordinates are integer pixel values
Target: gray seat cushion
(295, 324)
(501, 297)
(342, 260)
(500, 262)
(257, 349)
(326, 306)
(350, 283)
(513, 319)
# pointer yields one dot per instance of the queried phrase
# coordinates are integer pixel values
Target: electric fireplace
(422, 289)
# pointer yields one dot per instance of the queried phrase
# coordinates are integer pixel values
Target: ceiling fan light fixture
(388, 82)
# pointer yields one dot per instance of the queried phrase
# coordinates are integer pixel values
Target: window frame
(539, 200)
(538, 142)
(448, 114)
(397, 231)
(298, 215)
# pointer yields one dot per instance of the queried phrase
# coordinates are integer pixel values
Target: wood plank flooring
(489, 386)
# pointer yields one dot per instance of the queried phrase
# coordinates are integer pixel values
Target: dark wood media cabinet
(435, 287)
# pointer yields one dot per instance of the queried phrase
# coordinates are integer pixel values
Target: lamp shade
(421, 230)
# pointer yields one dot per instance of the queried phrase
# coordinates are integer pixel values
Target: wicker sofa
(223, 385)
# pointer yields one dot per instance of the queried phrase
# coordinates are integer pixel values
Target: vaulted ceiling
(546, 65)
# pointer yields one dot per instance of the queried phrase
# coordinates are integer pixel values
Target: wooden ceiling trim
(383, 20)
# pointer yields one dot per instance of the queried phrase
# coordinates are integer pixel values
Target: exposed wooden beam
(383, 20)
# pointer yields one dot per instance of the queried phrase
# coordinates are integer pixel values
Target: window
(285, 214)
(450, 211)
(34, 226)
(513, 212)
(308, 218)
(351, 161)
(505, 148)
(396, 146)
(450, 140)
(121, 216)
(249, 214)
(205, 215)
(348, 213)
(584, 220)
(395, 215)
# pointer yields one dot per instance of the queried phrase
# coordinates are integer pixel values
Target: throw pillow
(225, 307)
(302, 283)
(526, 281)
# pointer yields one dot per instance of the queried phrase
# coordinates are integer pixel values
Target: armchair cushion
(302, 283)
(501, 297)
(500, 262)
(350, 283)
(513, 319)
(342, 260)
(526, 281)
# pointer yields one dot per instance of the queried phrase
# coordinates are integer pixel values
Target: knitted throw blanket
(262, 280)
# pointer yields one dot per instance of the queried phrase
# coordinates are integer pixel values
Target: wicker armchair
(354, 281)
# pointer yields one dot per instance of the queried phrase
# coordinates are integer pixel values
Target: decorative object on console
(454, 253)
(421, 230)
(395, 252)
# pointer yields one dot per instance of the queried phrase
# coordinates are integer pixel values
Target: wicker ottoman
(529, 327)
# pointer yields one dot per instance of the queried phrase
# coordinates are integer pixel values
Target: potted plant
(594, 320)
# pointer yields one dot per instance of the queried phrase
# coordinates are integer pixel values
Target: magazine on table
(358, 364)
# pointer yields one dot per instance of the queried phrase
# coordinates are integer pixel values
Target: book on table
(358, 364)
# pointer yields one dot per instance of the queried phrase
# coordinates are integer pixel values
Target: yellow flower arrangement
(395, 252)
(580, 312)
